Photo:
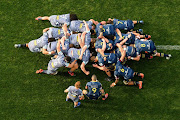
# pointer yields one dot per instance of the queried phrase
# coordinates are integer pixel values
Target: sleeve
(45, 46)
(85, 62)
(80, 92)
(66, 64)
(116, 75)
(69, 88)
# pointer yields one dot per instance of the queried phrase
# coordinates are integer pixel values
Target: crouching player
(127, 73)
(75, 94)
(58, 62)
(95, 90)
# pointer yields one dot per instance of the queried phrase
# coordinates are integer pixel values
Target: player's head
(93, 32)
(111, 67)
(73, 17)
(94, 59)
(78, 84)
(93, 78)
(67, 59)
(51, 39)
(92, 44)
(109, 22)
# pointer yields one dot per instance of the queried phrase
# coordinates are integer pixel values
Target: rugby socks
(164, 55)
(40, 18)
(23, 45)
(103, 95)
(136, 82)
(141, 22)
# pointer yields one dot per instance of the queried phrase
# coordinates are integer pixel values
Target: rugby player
(59, 20)
(36, 45)
(58, 62)
(124, 24)
(74, 53)
(95, 90)
(127, 73)
(75, 94)
(148, 47)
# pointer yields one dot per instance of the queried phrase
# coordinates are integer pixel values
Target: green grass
(26, 95)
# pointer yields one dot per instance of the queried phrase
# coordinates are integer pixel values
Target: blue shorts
(130, 25)
(93, 97)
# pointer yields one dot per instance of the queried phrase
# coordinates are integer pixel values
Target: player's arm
(72, 64)
(114, 83)
(58, 46)
(45, 30)
(137, 58)
(83, 68)
(106, 40)
(82, 52)
(66, 90)
(103, 68)
(44, 51)
(122, 42)
(94, 22)
(103, 22)
(65, 30)
(119, 33)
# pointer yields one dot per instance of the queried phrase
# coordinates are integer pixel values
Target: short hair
(111, 67)
(78, 84)
(92, 58)
(73, 17)
(51, 39)
(67, 59)
(109, 22)
(71, 46)
(94, 77)
(92, 31)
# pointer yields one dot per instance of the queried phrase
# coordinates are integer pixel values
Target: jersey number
(143, 45)
(122, 70)
(94, 90)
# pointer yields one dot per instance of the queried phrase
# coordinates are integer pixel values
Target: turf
(26, 95)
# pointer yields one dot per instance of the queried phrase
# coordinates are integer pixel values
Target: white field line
(168, 47)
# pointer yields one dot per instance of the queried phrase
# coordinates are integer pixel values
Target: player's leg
(76, 103)
(42, 18)
(104, 96)
(67, 98)
(71, 71)
(167, 56)
(21, 45)
(135, 22)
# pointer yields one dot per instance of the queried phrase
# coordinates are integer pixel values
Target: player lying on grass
(148, 47)
(79, 25)
(38, 44)
(94, 89)
(123, 24)
(74, 53)
(58, 62)
(58, 33)
(121, 36)
(127, 73)
(75, 94)
(59, 20)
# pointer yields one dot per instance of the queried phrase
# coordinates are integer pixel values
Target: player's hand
(52, 52)
(129, 35)
(129, 57)
(120, 38)
(80, 57)
(63, 48)
(112, 85)
(87, 73)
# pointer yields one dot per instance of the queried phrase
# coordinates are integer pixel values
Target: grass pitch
(25, 95)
